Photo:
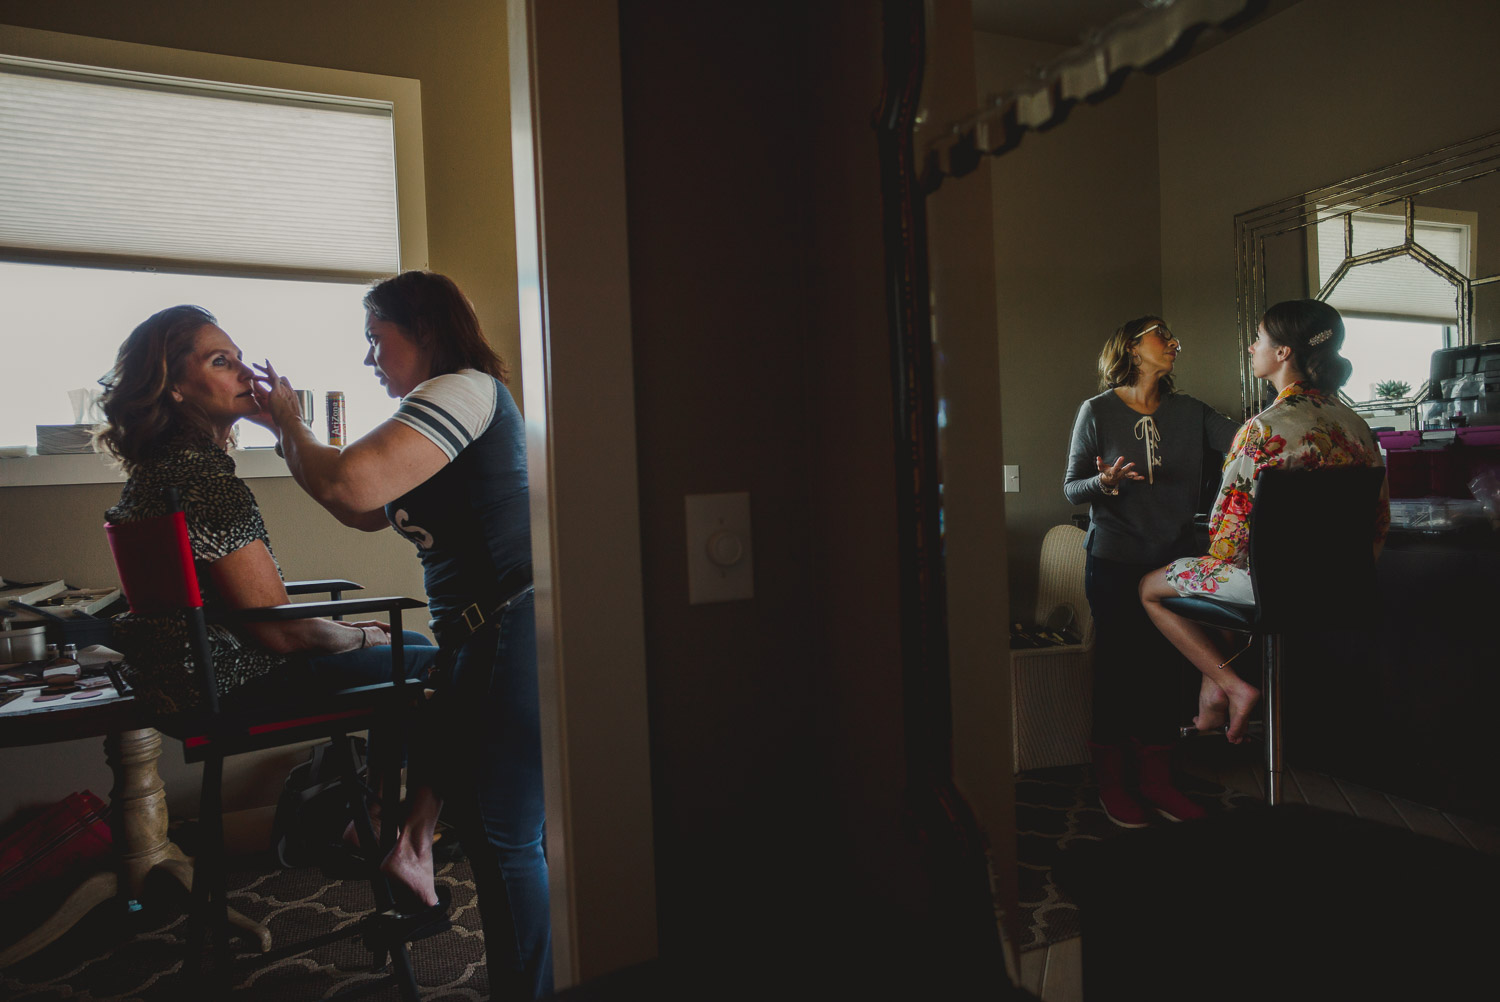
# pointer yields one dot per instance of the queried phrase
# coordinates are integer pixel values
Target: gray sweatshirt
(1149, 521)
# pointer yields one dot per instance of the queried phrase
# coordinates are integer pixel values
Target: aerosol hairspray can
(336, 417)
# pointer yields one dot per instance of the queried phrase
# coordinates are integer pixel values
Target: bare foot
(410, 873)
(1213, 707)
(1242, 699)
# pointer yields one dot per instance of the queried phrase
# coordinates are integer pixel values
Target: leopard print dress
(222, 517)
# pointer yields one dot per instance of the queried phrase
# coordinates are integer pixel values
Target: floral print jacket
(1304, 428)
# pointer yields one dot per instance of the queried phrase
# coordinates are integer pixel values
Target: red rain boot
(1155, 763)
(1109, 774)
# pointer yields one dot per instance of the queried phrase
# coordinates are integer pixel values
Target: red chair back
(154, 559)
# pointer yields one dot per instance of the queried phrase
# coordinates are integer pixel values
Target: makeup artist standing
(1136, 459)
(448, 472)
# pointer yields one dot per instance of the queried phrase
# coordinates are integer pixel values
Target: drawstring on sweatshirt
(1145, 429)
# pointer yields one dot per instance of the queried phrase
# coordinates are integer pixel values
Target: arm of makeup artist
(354, 482)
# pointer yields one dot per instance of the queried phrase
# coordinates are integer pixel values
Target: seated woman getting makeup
(1305, 427)
(171, 403)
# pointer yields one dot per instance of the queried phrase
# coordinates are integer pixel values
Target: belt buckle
(473, 617)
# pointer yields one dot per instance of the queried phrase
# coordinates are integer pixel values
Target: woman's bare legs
(409, 863)
(1198, 643)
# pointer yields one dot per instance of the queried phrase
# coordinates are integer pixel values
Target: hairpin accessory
(1319, 338)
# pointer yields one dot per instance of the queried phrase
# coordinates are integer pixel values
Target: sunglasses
(1167, 338)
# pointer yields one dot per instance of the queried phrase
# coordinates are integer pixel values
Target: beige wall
(1077, 253)
(457, 50)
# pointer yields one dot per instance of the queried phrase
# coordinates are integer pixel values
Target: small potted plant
(1392, 389)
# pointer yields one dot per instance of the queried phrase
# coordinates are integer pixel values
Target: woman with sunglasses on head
(1307, 426)
(1136, 459)
(448, 472)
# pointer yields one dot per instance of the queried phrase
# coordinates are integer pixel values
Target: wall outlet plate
(721, 560)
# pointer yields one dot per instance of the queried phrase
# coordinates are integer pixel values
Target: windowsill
(47, 471)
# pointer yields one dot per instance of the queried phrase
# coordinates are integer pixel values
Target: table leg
(94, 891)
(138, 821)
(141, 799)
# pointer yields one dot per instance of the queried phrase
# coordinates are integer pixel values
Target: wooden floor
(1055, 973)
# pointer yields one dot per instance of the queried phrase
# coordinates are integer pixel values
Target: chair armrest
(329, 585)
(313, 610)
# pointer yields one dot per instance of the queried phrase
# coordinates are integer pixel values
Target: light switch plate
(721, 561)
(1012, 480)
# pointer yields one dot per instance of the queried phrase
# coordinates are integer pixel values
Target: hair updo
(1296, 324)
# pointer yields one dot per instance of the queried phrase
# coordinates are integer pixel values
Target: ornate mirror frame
(1397, 184)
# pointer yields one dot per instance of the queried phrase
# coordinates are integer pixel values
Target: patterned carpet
(111, 958)
(1057, 807)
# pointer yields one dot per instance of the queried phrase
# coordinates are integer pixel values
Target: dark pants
(1137, 673)
(492, 789)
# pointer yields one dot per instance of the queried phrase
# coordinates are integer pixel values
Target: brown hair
(1294, 323)
(1117, 365)
(430, 309)
(140, 414)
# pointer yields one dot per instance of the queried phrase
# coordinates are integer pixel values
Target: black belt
(452, 630)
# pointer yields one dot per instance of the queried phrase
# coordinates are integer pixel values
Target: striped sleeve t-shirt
(451, 410)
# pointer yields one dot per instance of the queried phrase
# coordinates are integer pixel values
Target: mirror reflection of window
(1384, 352)
(1399, 310)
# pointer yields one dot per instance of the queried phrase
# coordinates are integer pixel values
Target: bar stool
(1312, 565)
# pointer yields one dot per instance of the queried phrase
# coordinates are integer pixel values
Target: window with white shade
(271, 195)
(1396, 311)
(1402, 287)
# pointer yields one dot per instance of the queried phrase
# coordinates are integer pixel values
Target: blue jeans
(301, 685)
(492, 790)
(369, 665)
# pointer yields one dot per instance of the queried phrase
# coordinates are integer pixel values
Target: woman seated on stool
(1306, 427)
(171, 403)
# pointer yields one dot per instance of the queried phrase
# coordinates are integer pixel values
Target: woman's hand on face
(1111, 475)
(277, 400)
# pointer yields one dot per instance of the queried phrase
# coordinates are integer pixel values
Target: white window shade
(139, 167)
(1400, 287)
